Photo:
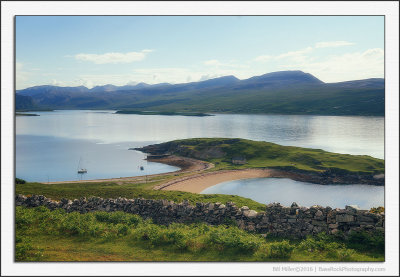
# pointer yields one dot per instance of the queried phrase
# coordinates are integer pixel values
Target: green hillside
(259, 154)
(300, 100)
(285, 92)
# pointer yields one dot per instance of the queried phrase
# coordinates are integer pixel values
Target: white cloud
(263, 58)
(114, 57)
(339, 43)
(297, 56)
(213, 63)
(331, 68)
(344, 67)
(230, 64)
(23, 75)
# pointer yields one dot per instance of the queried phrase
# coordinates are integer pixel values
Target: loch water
(49, 146)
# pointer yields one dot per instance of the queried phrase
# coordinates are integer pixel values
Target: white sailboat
(81, 170)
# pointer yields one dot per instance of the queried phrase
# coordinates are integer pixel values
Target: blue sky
(99, 50)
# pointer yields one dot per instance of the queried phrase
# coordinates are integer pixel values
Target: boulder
(250, 213)
(344, 218)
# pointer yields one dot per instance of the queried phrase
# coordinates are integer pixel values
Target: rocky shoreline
(330, 178)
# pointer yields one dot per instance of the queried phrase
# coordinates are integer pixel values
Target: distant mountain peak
(284, 77)
(142, 85)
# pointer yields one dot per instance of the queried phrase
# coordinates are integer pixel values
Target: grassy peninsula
(260, 154)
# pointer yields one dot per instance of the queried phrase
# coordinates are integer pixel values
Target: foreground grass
(44, 235)
(260, 154)
(113, 190)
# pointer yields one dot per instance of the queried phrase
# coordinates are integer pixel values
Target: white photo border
(390, 9)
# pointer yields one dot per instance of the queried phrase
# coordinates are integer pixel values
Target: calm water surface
(287, 191)
(49, 146)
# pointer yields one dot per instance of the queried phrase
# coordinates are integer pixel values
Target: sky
(120, 50)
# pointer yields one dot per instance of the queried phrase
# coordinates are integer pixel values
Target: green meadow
(44, 235)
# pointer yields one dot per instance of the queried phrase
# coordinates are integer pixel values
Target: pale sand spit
(200, 182)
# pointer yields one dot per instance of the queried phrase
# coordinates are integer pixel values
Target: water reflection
(343, 134)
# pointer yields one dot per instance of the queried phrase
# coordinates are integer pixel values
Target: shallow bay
(287, 191)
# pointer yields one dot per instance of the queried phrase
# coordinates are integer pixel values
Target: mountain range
(283, 92)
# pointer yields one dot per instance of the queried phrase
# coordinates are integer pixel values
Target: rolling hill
(284, 92)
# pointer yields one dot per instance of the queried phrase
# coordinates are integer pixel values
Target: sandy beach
(197, 183)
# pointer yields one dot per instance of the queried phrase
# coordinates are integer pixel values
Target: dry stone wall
(294, 221)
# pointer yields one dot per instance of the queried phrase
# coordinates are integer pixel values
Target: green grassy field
(44, 235)
(260, 154)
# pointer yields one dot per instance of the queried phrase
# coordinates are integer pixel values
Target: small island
(26, 114)
(162, 113)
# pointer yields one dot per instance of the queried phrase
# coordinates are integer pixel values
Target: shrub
(122, 229)
(108, 235)
(377, 210)
(233, 239)
(365, 240)
(24, 217)
(79, 224)
(341, 254)
(147, 231)
(24, 251)
(96, 230)
(174, 235)
(22, 247)
(19, 181)
(319, 243)
(118, 218)
(280, 250)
